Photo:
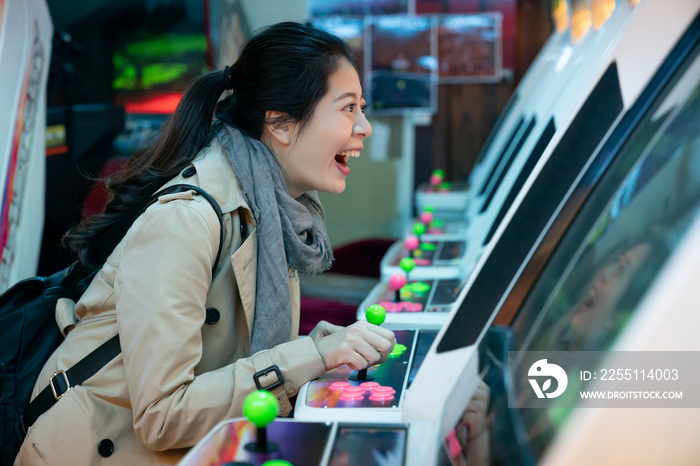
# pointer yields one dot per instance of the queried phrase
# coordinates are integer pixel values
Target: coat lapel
(245, 268)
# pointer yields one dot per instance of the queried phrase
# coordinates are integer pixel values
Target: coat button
(213, 316)
(189, 172)
(105, 448)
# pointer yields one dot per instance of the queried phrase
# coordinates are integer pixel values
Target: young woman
(195, 343)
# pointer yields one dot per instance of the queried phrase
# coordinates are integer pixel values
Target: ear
(279, 126)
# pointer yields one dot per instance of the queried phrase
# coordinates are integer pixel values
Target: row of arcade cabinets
(565, 268)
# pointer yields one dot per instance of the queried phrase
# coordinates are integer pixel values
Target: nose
(362, 127)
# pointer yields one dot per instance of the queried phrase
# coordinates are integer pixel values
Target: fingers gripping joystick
(375, 315)
(261, 407)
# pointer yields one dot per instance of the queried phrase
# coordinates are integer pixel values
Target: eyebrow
(347, 94)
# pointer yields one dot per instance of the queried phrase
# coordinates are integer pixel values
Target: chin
(335, 188)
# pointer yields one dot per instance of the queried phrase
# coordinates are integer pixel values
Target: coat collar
(213, 172)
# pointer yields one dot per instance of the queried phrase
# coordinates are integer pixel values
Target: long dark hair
(284, 68)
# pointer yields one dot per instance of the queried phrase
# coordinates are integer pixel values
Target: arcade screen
(635, 217)
(403, 65)
(507, 9)
(469, 47)
(151, 70)
(370, 446)
(319, 8)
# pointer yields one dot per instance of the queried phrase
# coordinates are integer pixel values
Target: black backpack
(29, 335)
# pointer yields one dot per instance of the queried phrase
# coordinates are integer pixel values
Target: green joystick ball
(407, 264)
(261, 407)
(376, 314)
(418, 229)
(277, 463)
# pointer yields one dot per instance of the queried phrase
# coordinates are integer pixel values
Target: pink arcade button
(339, 385)
(391, 307)
(413, 307)
(369, 385)
(354, 391)
(380, 398)
(383, 391)
(422, 262)
(350, 397)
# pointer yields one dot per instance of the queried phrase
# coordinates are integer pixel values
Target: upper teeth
(350, 153)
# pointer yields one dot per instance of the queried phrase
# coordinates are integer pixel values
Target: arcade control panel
(430, 227)
(432, 259)
(345, 395)
(416, 304)
(262, 439)
(446, 198)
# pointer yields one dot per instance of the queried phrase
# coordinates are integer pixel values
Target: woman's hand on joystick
(375, 315)
(359, 345)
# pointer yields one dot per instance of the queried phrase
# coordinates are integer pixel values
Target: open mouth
(342, 157)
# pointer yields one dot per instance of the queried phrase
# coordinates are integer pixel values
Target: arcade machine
(25, 51)
(618, 292)
(450, 200)
(560, 155)
(527, 238)
(525, 241)
(521, 151)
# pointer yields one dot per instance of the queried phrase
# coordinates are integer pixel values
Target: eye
(351, 107)
(363, 108)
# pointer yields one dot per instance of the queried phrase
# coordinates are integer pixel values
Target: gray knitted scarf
(291, 234)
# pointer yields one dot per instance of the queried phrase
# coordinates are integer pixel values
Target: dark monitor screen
(504, 151)
(611, 254)
(368, 445)
(558, 174)
(509, 162)
(532, 160)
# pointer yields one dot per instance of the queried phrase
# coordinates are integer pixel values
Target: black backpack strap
(62, 381)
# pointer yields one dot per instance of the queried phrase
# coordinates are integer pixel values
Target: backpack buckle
(56, 382)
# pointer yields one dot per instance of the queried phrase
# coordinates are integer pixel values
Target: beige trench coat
(177, 376)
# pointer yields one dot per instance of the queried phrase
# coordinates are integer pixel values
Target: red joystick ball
(426, 217)
(411, 243)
